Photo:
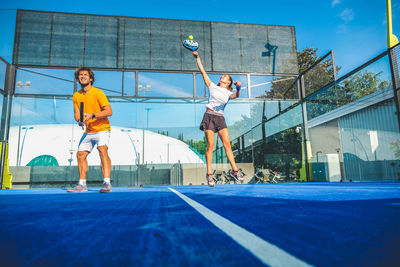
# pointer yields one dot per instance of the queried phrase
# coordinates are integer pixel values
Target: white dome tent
(60, 141)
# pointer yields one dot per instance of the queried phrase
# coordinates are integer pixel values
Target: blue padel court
(313, 224)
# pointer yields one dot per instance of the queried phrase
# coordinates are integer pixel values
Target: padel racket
(190, 44)
(81, 115)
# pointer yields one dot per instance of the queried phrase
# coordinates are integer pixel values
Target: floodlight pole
(147, 117)
(21, 85)
(140, 88)
(23, 142)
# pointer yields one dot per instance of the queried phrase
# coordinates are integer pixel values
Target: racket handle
(81, 113)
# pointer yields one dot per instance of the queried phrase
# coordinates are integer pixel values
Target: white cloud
(335, 2)
(342, 28)
(347, 15)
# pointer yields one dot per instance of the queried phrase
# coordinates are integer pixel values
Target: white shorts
(89, 140)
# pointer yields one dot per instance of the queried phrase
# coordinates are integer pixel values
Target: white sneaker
(237, 175)
(210, 180)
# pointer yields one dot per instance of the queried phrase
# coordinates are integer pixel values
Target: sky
(354, 29)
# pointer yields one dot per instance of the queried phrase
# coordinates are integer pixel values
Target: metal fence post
(5, 117)
(306, 140)
(394, 55)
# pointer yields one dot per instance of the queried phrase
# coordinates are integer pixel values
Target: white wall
(61, 141)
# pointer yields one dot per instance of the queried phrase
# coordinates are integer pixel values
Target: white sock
(82, 182)
(107, 180)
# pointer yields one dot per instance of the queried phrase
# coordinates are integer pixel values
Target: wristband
(93, 116)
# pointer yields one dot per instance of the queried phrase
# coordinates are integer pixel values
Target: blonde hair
(230, 85)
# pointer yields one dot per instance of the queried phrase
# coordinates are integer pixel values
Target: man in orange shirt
(97, 109)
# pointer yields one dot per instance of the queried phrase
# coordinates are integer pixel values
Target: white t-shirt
(218, 99)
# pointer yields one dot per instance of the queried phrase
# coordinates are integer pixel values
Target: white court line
(267, 253)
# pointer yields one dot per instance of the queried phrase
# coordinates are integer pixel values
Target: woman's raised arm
(207, 80)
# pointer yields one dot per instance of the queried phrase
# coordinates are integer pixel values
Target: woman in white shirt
(214, 121)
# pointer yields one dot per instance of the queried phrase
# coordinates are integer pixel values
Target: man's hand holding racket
(88, 117)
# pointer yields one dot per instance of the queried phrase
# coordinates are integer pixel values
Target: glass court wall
(351, 125)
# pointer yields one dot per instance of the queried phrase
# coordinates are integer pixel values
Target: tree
(314, 79)
(358, 85)
(200, 146)
(283, 151)
(362, 84)
(395, 145)
(163, 133)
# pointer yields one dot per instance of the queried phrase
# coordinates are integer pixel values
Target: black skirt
(213, 122)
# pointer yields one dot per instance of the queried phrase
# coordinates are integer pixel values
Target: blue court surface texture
(299, 224)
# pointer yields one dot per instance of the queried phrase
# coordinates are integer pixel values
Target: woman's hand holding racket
(238, 84)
